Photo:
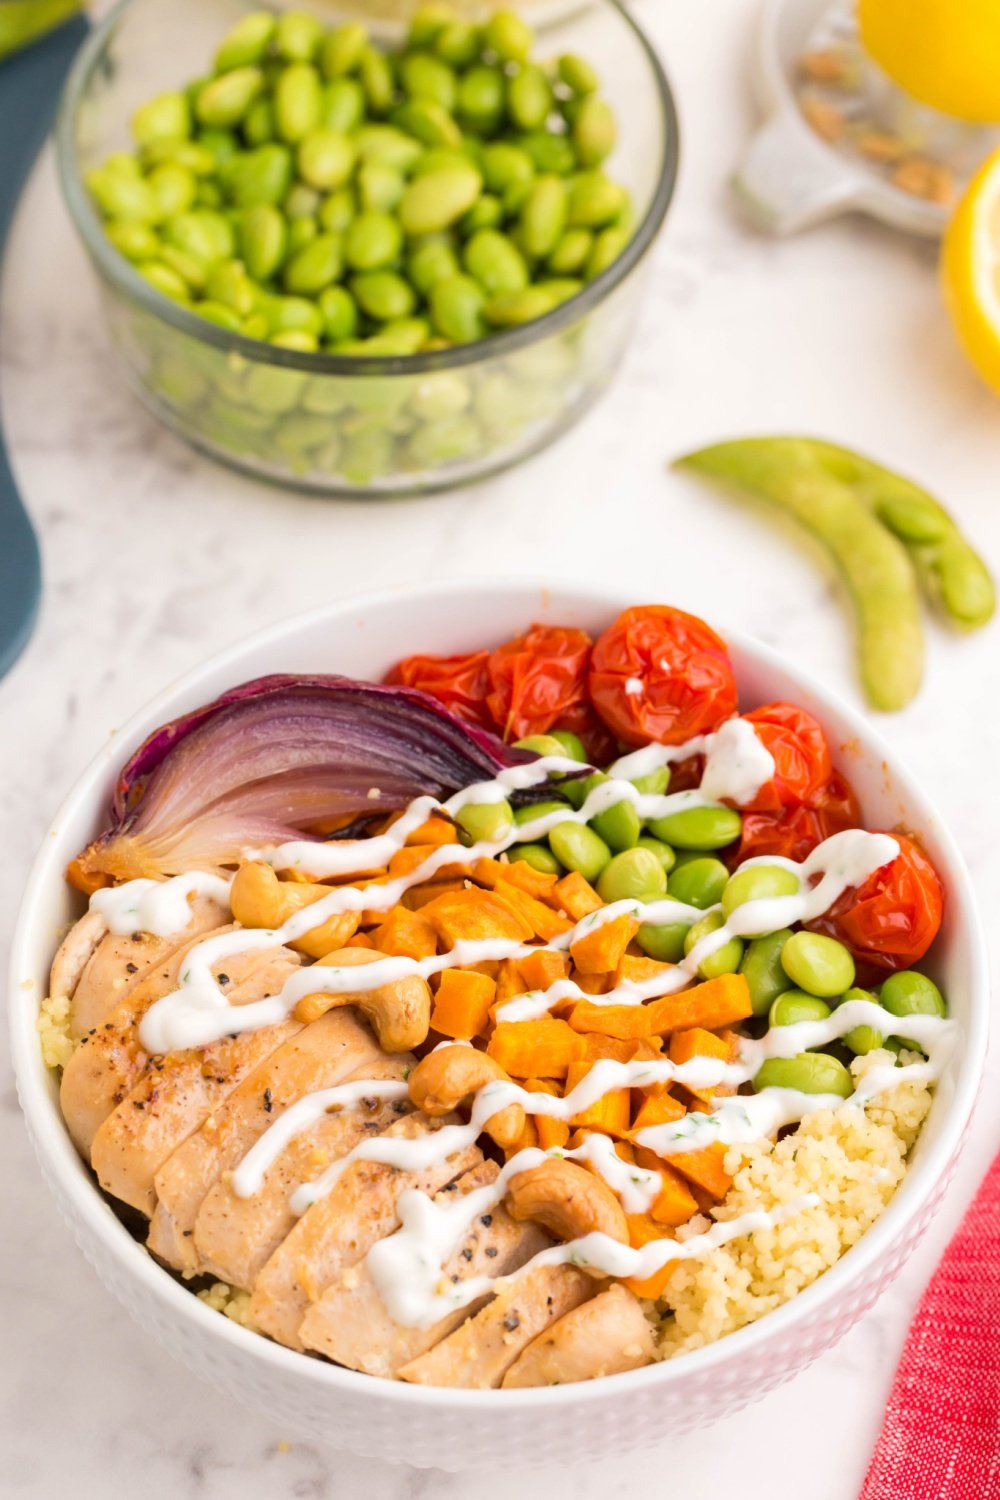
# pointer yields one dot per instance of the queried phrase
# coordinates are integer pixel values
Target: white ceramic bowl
(464, 1429)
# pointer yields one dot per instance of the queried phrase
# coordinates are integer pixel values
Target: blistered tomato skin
(794, 832)
(660, 674)
(538, 680)
(801, 755)
(460, 683)
(891, 920)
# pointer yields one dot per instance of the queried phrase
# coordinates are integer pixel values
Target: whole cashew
(568, 1200)
(444, 1078)
(259, 899)
(399, 1013)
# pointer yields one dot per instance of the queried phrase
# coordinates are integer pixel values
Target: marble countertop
(154, 558)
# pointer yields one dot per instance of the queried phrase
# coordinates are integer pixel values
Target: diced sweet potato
(434, 831)
(622, 1051)
(543, 968)
(609, 1114)
(658, 1107)
(592, 984)
(527, 1138)
(643, 1229)
(419, 896)
(545, 923)
(408, 859)
(462, 1004)
(600, 950)
(704, 1168)
(468, 913)
(575, 896)
(551, 1132)
(638, 969)
(697, 1042)
(361, 940)
(406, 934)
(676, 1203)
(714, 1003)
(535, 1049)
(509, 980)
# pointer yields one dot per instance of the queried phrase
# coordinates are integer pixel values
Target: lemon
(945, 53)
(970, 270)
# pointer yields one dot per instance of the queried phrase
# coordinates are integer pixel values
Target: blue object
(30, 84)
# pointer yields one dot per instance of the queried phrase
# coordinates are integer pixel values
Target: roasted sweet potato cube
(543, 968)
(526, 878)
(714, 1003)
(638, 969)
(551, 1132)
(419, 896)
(535, 1049)
(643, 1230)
(527, 1139)
(509, 980)
(462, 1004)
(545, 923)
(408, 859)
(407, 934)
(599, 950)
(657, 1107)
(468, 913)
(704, 1168)
(697, 1042)
(675, 1203)
(435, 831)
(575, 896)
(609, 1114)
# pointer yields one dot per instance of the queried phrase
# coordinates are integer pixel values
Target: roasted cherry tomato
(660, 674)
(891, 920)
(538, 679)
(598, 741)
(800, 752)
(794, 832)
(461, 683)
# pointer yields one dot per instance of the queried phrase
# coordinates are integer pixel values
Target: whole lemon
(946, 53)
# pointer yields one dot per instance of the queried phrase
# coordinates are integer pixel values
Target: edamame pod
(874, 564)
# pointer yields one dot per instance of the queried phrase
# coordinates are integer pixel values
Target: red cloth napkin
(941, 1436)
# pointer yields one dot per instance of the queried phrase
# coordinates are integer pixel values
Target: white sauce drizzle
(161, 907)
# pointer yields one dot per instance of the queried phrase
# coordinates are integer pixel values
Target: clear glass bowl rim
(121, 273)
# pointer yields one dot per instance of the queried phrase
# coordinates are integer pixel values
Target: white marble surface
(154, 558)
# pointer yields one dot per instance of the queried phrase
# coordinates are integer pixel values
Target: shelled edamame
(443, 191)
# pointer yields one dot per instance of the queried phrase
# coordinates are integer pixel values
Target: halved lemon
(945, 53)
(970, 270)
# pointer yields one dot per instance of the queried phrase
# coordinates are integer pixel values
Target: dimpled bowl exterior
(457, 1429)
(341, 425)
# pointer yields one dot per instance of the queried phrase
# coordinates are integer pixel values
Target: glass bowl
(365, 426)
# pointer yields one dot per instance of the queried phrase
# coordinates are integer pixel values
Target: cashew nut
(259, 899)
(568, 1200)
(444, 1078)
(399, 1013)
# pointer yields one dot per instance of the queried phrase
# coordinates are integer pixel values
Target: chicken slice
(478, 1355)
(181, 1091)
(234, 1238)
(119, 964)
(338, 1231)
(350, 1323)
(75, 952)
(319, 1056)
(110, 1059)
(604, 1336)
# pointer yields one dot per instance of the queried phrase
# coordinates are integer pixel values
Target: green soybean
(529, 98)
(579, 848)
(315, 266)
(431, 260)
(725, 959)
(663, 941)
(538, 856)
(456, 307)
(698, 882)
(663, 852)
(165, 118)
(698, 827)
(809, 1073)
(226, 99)
(758, 883)
(634, 874)
(910, 993)
(436, 200)
(246, 43)
(297, 35)
(342, 50)
(571, 743)
(763, 972)
(577, 74)
(794, 1006)
(481, 97)
(485, 822)
(619, 826)
(298, 102)
(496, 263)
(818, 964)
(594, 131)
(540, 744)
(340, 314)
(373, 241)
(862, 1039)
(383, 295)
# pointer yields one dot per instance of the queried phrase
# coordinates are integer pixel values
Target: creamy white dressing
(161, 907)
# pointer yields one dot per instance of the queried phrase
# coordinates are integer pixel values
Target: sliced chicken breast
(604, 1336)
(181, 1091)
(234, 1238)
(478, 1355)
(351, 1325)
(119, 964)
(339, 1230)
(75, 952)
(318, 1057)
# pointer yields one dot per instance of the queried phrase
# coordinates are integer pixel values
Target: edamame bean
(342, 50)
(910, 993)
(634, 874)
(436, 200)
(862, 1039)
(485, 822)
(619, 826)
(577, 74)
(663, 852)
(337, 211)
(432, 260)
(608, 246)
(758, 883)
(486, 213)
(379, 187)
(424, 76)
(293, 315)
(578, 847)
(123, 197)
(594, 201)
(538, 856)
(698, 827)
(509, 36)
(343, 105)
(698, 882)
(440, 395)
(225, 100)
(205, 235)
(298, 35)
(571, 743)
(230, 285)
(540, 744)
(314, 267)
(263, 175)
(663, 941)
(818, 964)
(762, 969)
(543, 216)
(594, 131)
(443, 441)
(514, 308)
(325, 159)
(165, 280)
(653, 783)
(246, 43)
(506, 165)
(458, 43)
(263, 239)
(174, 189)
(373, 242)
(572, 252)
(723, 960)
(376, 80)
(258, 124)
(135, 240)
(298, 102)
(496, 263)
(165, 118)
(383, 295)
(481, 98)
(429, 123)
(456, 307)
(794, 1006)
(301, 231)
(809, 1073)
(340, 314)
(529, 98)
(549, 153)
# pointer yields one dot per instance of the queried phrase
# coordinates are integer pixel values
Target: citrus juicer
(875, 136)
